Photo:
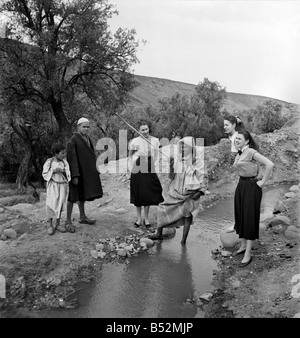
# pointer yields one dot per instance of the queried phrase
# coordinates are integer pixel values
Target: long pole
(141, 135)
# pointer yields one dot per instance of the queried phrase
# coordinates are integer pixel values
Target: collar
(241, 151)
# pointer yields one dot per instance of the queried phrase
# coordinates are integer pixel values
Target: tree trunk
(23, 172)
(63, 124)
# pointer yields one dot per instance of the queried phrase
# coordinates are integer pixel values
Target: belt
(251, 178)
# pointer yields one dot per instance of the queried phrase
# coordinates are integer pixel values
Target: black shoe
(242, 265)
(136, 225)
(148, 225)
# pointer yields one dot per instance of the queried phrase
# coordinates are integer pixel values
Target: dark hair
(247, 136)
(57, 147)
(239, 125)
(144, 122)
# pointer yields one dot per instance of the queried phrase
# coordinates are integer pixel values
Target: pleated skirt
(247, 201)
(145, 187)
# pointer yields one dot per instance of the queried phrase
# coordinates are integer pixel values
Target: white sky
(250, 47)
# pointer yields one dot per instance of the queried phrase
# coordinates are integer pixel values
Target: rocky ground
(42, 271)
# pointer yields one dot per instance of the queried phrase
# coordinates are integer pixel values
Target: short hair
(144, 122)
(57, 148)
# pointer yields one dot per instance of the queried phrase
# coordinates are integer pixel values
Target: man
(85, 182)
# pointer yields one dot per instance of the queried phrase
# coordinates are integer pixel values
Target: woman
(188, 183)
(248, 194)
(145, 187)
(232, 125)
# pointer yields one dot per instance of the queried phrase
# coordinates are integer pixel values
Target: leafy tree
(267, 117)
(60, 58)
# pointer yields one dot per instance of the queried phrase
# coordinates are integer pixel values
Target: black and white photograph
(149, 161)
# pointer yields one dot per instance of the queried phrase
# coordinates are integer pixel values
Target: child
(56, 173)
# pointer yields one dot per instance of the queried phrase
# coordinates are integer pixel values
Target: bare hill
(150, 89)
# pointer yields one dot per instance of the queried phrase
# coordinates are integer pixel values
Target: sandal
(70, 227)
(87, 221)
(136, 224)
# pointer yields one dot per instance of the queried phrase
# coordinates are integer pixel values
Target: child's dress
(57, 186)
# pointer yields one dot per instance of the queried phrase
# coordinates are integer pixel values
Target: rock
(225, 253)
(54, 281)
(277, 229)
(101, 254)
(94, 254)
(2, 210)
(279, 220)
(3, 237)
(3, 245)
(292, 188)
(229, 239)
(99, 247)
(206, 297)
(128, 248)
(279, 208)
(148, 241)
(292, 232)
(290, 195)
(297, 315)
(122, 245)
(122, 252)
(10, 233)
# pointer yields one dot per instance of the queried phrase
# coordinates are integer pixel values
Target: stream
(160, 282)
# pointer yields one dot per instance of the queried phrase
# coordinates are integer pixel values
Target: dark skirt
(145, 187)
(247, 200)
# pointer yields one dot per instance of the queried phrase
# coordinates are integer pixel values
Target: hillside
(150, 89)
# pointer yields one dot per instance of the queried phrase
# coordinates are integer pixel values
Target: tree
(61, 57)
(74, 55)
(267, 117)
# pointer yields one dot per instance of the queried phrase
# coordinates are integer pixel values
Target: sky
(248, 47)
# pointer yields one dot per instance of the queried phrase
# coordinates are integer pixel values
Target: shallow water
(157, 283)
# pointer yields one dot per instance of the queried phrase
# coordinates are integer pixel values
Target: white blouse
(234, 148)
(143, 148)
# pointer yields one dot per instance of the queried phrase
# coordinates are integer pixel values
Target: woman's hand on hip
(75, 180)
(260, 183)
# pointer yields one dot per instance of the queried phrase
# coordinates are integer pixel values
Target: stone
(3, 245)
(101, 254)
(279, 220)
(3, 237)
(10, 233)
(277, 229)
(128, 248)
(229, 239)
(121, 210)
(148, 241)
(279, 208)
(94, 254)
(294, 188)
(122, 252)
(2, 210)
(225, 253)
(99, 247)
(297, 315)
(206, 297)
(290, 195)
(292, 232)
(122, 245)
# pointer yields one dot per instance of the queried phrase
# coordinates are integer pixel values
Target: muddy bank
(267, 287)
(43, 271)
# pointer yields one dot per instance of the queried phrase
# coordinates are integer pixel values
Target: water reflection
(157, 284)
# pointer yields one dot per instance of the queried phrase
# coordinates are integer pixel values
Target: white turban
(83, 120)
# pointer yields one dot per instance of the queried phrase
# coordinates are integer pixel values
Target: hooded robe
(82, 161)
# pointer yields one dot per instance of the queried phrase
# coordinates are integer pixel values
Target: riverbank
(269, 286)
(43, 271)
